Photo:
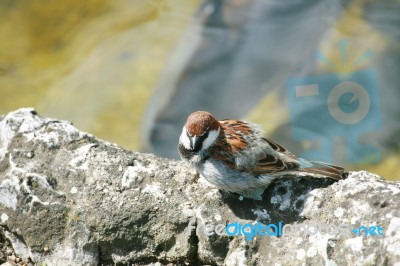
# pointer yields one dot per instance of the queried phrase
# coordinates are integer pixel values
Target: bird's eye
(205, 131)
(205, 135)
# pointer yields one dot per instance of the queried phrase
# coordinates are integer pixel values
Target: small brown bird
(234, 156)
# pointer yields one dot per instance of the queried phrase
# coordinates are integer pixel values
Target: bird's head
(200, 131)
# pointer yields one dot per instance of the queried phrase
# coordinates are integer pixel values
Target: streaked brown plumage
(234, 155)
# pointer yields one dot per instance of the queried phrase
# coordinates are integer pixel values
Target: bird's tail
(321, 169)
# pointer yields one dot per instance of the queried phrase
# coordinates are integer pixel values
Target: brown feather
(199, 122)
(328, 170)
(271, 164)
(279, 148)
(231, 141)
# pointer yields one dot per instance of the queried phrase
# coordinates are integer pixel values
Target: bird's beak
(193, 142)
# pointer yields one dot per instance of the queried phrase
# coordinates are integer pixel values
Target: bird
(234, 156)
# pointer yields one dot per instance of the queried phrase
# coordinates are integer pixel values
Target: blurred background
(322, 77)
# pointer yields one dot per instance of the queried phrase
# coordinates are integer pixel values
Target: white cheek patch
(184, 139)
(212, 137)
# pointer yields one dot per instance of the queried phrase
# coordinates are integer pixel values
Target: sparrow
(234, 156)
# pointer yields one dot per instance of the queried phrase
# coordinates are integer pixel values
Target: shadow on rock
(283, 200)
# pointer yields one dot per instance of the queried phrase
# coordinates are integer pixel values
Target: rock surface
(67, 198)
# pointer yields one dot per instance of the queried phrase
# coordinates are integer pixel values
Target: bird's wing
(268, 157)
(279, 149)
(244, 149)
(279, 160)
(227, 146)
(287, 163)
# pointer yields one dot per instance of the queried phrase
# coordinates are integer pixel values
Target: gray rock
(67, 198)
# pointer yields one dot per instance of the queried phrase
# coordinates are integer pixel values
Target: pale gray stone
(68, 198)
